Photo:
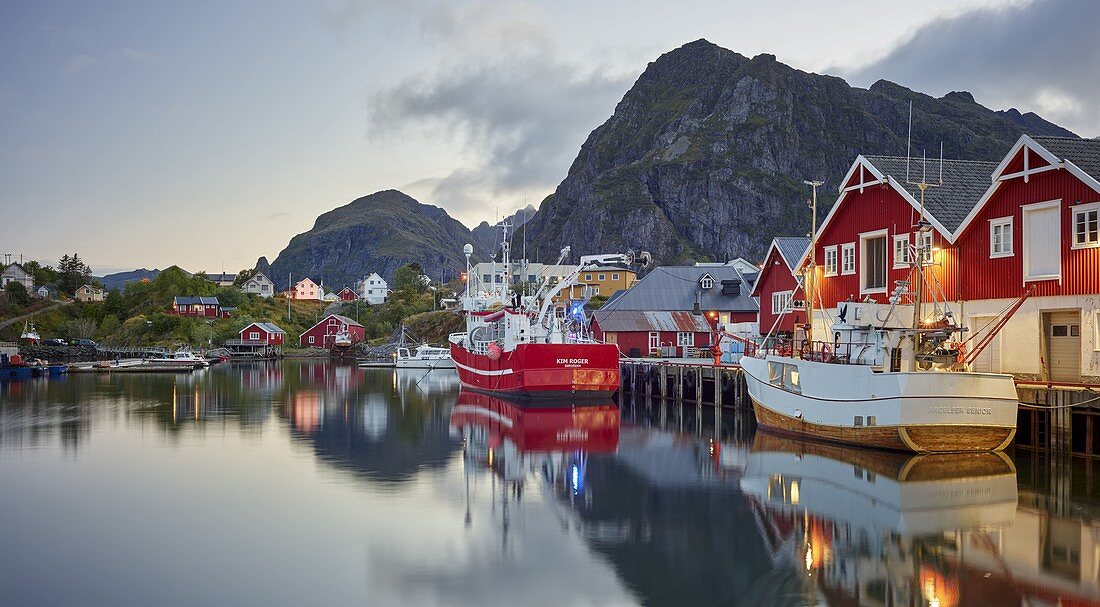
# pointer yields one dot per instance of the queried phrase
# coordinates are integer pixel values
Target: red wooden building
(347, 294)
(322, 334)
(779, 285)
(265, 333)
(206, 307)
(640, 333)
(1037, 227)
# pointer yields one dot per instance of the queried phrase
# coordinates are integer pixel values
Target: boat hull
(922, 412)
(430, 363)
(542, 371)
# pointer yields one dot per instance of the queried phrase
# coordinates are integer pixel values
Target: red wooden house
(347, 294)
(205, 307)
(264, 333)
(779, 285)
(322, 334)
(1037, 227)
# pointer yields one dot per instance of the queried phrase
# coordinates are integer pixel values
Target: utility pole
(289, 290)
(811, 275)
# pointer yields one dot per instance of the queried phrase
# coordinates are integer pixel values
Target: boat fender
(727, 381)
(494, 351)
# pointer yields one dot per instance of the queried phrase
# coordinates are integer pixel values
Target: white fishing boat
(182, 356)
(424, 357)
(888, 375)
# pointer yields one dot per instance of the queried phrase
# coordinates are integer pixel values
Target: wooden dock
(702, 383)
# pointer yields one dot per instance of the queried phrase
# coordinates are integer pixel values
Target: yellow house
(602, 280)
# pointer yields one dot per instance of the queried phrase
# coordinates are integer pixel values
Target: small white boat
(30, 334)
(182, 356)
(424, 357)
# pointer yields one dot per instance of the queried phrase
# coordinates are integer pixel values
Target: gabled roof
(347, 289)
(791, 249)
(221, 277)
(1085, 153)
(344, 319)
(257, 276)
(964, 182)
(637, 320)
(190, 301)
(92, 288)
(266, 326)
(1081, 157)
(16, 266)
(674, 288)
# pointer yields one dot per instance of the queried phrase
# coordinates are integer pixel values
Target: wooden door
(1063, 333)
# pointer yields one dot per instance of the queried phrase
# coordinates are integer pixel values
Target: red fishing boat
(531, 347)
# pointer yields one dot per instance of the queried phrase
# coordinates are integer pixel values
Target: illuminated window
(830, 261)
(925, 240)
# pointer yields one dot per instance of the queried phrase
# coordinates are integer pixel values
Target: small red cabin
(321, 335)
(347, 294)
(206, 307)
(264, 333)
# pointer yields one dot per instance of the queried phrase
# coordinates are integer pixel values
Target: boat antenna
(908, 141)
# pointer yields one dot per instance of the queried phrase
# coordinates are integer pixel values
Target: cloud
(276, 216)
(84, 62)
(1037, 56)
(505, 93)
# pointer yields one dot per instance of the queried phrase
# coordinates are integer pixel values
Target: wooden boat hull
(921, 412)
(942, 438)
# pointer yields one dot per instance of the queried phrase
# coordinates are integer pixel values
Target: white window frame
(685, 339)
(311, 340)
(654, 340)
(904, 262)
(831, 269)
(845, 248)
(1081, 210)
(928, 256)
(706, 282)
(781, 300)
(1096, 331)
(1024, 211)
(614, 276)
(863, 238)
(1001, 222)
(254, 335)
(588, 278)
(601, 277)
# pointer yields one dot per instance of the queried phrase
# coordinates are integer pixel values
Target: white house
(260, 285)
(16, 273)
(373, 289)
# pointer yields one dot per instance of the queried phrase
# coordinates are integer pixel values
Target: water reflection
(386, 487)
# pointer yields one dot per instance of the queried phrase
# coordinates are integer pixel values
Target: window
(925, 240)
(601, 277)
(311, 339)
(530, 278)
(332, 322)
(685, 339)
(848, 258)
(780, 301)
(587, 277)
(830, 261)
(596, 290)
(873, 258)
(901, 251)
(1000, 237)
(1086, 226)
(615, 276)
(706, 281)
(654, 341)
(254, 335)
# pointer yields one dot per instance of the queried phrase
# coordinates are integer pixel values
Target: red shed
(645, 333)
(778, 285)
(321, 334)
(265, 333)
(347, 294)
(207, 307)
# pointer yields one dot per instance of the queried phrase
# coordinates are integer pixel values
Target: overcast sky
(206, 134)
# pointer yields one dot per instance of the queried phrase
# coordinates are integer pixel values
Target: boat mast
(808, 285)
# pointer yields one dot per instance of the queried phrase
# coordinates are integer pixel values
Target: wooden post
(664, 382)
(698, 386)
(680, 386)
(718, 388)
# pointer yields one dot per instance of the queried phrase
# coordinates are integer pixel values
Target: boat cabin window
(784, 375)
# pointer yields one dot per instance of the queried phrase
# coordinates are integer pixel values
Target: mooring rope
(1052, 407)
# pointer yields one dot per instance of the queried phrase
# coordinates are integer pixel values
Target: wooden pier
(701, 383)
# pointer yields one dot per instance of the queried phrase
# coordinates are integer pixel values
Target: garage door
(1063, 332)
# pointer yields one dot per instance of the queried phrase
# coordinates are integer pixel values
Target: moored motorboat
(182, 357)
(423, 357)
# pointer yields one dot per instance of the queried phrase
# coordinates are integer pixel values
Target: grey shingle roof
(964, 182)
(1085, 153)
(188, 301)
(670, 288)
(792, 248)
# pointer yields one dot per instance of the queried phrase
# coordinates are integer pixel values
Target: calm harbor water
(312, 483)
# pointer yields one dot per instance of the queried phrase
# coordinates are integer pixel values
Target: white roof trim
(1055, 162)
(860, 161)
(771, 248)
(916, 206)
